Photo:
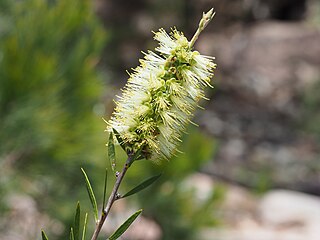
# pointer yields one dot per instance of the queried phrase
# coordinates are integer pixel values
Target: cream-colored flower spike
(162, 94)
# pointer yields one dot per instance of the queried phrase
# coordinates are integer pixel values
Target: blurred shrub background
(49, 89)
(62, 62)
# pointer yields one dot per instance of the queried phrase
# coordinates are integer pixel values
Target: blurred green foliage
(48, 90)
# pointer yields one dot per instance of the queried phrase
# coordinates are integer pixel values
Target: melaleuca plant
(161, 95)
(153, 111)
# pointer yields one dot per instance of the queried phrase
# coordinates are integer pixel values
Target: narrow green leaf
(91, 196)
(43, 235)
(105, 190)
(111, 152)
(125, 226)
(138, 155)
(85, 227)
(120, 140)
(71, 237)
(77, 223)
(141, 186)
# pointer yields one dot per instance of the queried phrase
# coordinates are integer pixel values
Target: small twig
(112, 198)
(206, 18)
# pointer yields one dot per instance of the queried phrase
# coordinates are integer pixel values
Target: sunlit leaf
(43, 235)
(141, 186)
(71, 237)
(119, 139)
(91, 196)
(105, 190)
(125, 226)
(77, 222)
(111, 152)
(85, 226)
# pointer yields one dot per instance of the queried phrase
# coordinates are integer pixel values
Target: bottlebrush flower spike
(162, 94)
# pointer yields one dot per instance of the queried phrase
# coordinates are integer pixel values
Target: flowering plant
(157, 103)
(161, 96)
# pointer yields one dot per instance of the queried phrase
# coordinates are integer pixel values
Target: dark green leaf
(137, 155)
(85, 227)
(141, 186)
(125, 226)
(44, 236)
(120, 140)
(71, 237)
(111, 152)
(77, 222)
(105, 190)
(91, 196)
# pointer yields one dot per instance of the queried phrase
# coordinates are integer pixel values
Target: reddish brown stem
(112, 198)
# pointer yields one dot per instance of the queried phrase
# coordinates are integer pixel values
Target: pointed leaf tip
(210, 13)
(142, 186)
(71, 237)
(120, 140)
(111, 152)
(77, 223)
(124, 226)
(91, 195)
(43, 235)
(206, 18)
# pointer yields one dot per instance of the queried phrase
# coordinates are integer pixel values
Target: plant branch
(206, 18)
(113, 197)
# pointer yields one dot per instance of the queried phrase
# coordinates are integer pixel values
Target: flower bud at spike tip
(162, 94)
(206, 18)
